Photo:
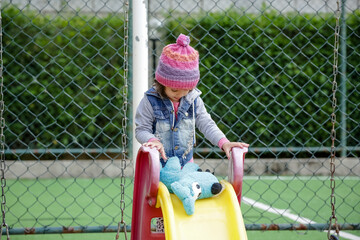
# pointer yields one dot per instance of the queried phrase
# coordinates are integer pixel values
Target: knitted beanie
(178, 65)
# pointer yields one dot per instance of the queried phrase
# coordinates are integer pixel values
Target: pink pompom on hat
(178, 65)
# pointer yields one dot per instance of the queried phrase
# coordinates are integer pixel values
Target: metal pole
(343, 79)
(108, 229)
(140, 60)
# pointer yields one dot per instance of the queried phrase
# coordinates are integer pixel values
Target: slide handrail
(153, 161)
(236, 170)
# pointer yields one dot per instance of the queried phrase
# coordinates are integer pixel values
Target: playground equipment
(218, 217)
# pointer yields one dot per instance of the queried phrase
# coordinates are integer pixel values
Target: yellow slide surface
(217, 218)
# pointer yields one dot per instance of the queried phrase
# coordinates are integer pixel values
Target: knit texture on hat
(178, 65)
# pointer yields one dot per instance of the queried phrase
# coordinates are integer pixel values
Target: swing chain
(333, 122)
(124, 120)
(2, 139)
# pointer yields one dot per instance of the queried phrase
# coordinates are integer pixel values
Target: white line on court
(286, 178)
(286, 213)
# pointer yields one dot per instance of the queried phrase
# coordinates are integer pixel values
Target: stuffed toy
(189, 183)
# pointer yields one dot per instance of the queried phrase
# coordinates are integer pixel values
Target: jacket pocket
(161, 115)
(162, 124)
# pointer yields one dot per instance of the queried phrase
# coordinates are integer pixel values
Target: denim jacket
(155, 118)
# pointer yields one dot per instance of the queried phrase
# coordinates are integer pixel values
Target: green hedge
(63, 80)
(267, 78)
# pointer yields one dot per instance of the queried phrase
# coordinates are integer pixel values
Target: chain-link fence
(266, 79)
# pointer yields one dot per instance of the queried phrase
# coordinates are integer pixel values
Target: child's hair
(160, 89)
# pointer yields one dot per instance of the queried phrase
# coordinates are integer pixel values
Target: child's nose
(182, 93)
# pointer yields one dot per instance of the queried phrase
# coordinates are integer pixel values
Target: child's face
(176, 94)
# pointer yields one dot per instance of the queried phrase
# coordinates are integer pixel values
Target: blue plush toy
(189, 183)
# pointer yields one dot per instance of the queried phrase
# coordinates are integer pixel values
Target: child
(169, 112)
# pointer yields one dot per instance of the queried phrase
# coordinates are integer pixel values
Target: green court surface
(252, 235)
(95, 202)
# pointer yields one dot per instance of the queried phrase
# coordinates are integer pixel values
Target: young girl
(169, 112)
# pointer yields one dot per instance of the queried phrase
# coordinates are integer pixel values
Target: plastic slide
(218, 217)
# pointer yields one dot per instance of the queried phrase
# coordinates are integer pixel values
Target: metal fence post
(343, 79)
(140, 59)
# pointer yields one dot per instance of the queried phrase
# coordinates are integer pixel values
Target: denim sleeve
(144, 120)
(206, 124)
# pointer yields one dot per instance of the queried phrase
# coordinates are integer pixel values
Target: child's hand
(158, 145)
(229, 145)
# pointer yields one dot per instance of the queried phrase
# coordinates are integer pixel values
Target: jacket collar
(188, 98)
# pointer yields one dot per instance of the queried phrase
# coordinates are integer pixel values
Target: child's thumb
(227, 152)
(163, 155)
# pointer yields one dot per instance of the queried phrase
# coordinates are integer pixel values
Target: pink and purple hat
(178, 65)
